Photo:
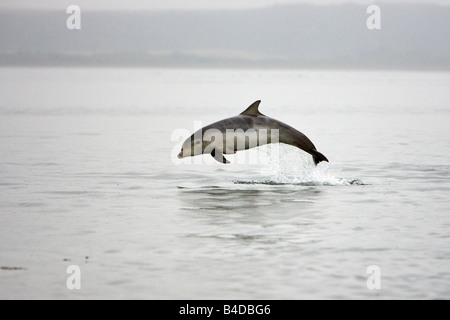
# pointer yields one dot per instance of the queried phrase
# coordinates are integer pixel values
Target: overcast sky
(179, 4)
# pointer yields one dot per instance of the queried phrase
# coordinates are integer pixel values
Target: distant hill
(307, 36)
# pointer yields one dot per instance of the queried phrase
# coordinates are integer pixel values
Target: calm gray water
(88, 178)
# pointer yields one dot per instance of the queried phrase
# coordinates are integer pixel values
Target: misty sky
(179, 4)
(412, 36)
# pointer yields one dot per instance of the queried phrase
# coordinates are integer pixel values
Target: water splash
(288, 166)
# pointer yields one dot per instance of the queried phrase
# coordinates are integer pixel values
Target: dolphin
(247, 130)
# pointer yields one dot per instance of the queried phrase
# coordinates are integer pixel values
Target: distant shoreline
(188, 61)
(410, 37)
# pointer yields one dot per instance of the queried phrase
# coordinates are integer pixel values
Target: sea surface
(89, 178)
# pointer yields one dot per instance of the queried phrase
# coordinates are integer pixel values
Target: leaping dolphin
(247, 130)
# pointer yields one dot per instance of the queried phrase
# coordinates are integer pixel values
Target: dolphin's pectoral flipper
(219, 156)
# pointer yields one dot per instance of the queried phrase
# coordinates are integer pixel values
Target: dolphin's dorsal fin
(253, 111)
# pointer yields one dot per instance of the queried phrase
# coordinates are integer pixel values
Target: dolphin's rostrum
(247, 130)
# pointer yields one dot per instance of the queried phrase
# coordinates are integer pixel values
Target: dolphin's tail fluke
(318, 157)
